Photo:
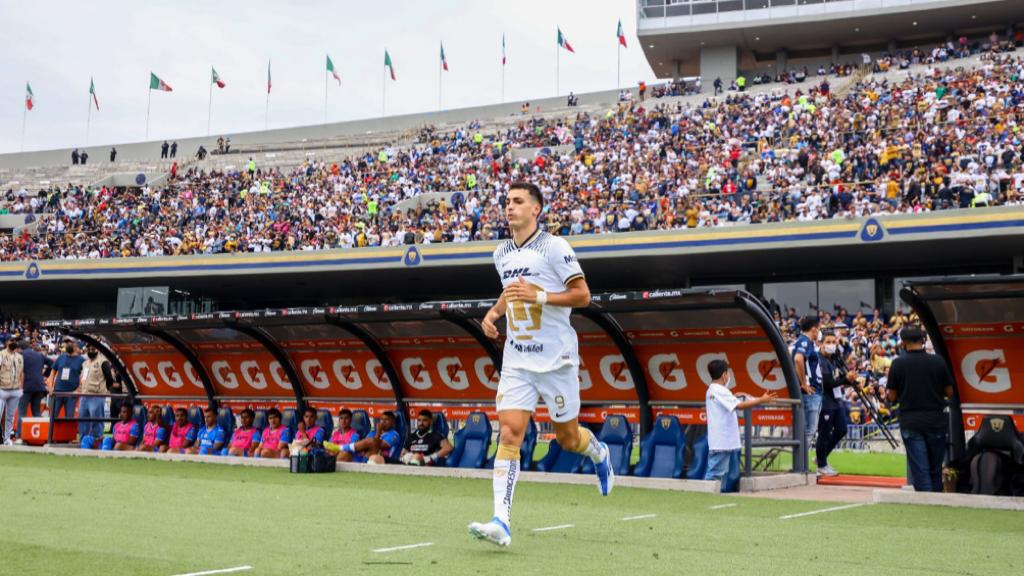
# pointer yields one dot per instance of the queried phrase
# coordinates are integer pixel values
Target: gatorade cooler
(35, 430)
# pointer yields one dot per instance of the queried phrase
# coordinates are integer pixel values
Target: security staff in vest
(96, 378)
(832, 421)
(921, 383)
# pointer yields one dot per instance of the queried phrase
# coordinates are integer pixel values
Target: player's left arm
(446, 449)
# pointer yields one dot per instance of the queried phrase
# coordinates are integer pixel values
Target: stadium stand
(927, 137)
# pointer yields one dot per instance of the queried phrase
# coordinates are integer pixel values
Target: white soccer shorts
(520, 389)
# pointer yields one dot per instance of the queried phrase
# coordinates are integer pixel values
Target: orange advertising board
(988, 361)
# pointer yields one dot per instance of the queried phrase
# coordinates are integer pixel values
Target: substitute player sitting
(382, 446)
(343, 435)
(542, 283)
(424, 447)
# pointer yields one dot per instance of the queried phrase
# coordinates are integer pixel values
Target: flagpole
(325, 97)
(558, 70)
(24, 118)
(618, 65)
(209, 107)
(266, 112)
(440, 79)
(88, 117)
(384, 94)
(149, 100)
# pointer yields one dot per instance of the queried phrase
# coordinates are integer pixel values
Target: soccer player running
(542, 283)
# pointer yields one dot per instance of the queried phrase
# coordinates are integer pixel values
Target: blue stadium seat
(195, 416)
(140, 415)
(618, 435)
(290, 418)
(361, 422)
(401, 425)
(440, 424)
(472, 443)
(661, 452)
(325, 421)
(695, 451)
(168, 418)
(226, 420)
(259, 421)
(526, 450)
(558, 460)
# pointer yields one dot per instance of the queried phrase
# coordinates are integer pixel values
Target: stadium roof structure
(678, 36)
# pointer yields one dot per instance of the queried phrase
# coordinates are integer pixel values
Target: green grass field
(70, 515)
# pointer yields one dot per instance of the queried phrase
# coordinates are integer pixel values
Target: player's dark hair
(426, 413)
(309, 410)
(273, 412)
(912, 334)
(809, 322)
(249, 412)
(389, 414)
(529, 187)
(211, 410)
(344, 412)
(716, 368)
(180, 411)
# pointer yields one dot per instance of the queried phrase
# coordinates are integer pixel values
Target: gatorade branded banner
(973, 422)
(676, 362)
(456, 368)
(988, 361)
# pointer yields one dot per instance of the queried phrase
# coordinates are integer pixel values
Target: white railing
(665, 13)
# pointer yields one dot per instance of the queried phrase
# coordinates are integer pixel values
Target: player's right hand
(490, 330)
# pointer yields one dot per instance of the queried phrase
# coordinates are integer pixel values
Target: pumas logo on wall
(872, 231)
(412, 257)
(32, 272)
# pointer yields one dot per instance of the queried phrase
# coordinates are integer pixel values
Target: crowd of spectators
(868, 343)
(935, 139)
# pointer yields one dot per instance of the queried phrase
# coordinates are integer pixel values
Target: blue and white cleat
(496, 532)
(605, 473)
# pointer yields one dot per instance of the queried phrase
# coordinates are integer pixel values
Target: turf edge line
(640, 517)
(549, 528)
(721, 506)
(406, 547)
(823, 510)
(221, 571)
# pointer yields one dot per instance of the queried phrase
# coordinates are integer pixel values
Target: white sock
(591, 447)
(506, 474)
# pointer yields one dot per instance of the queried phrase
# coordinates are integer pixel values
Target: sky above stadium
(58, 45)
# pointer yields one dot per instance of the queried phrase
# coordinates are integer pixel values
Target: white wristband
(542, 297)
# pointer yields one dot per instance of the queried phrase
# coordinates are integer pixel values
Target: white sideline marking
(720, 506)
(640, 517)
(559, 527)
(406, 547)
(222, 571)
(822, 511)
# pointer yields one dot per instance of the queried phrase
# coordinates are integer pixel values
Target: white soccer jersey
(539, 337)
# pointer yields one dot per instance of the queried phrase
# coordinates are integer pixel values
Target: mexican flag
(621, 35)
(215, 78)
(330, 68)
(156, 83)
(502, 49)
(563, 42)
(268, 77)
(29, 98)
(388, 64)
(444, 61)
(92, 92)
